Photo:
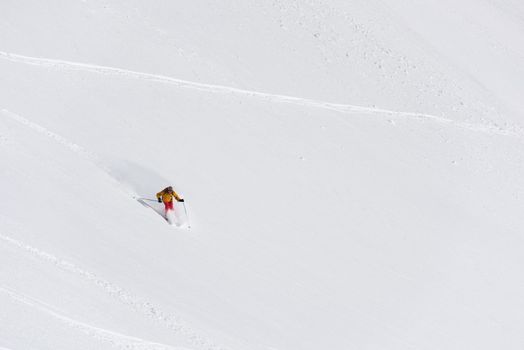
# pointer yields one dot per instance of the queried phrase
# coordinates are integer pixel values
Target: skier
(166, 196)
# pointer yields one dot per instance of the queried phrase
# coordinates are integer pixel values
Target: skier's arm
(177, 197)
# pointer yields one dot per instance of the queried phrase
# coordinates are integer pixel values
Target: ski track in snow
(60, 139)
(115, 339)
(342, 108)
(75, 148)
(141, 306)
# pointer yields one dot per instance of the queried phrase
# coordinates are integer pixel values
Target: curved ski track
(186, 84)
(115, 339)
(139, 305)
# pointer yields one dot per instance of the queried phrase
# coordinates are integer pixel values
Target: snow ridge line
(213, 88)
(138, 305)
(118, 340)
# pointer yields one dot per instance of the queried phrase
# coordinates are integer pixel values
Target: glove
(159, 200)
(181, 200)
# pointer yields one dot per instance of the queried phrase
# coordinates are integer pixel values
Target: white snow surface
(353, 173)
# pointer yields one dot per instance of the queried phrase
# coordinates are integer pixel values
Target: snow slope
(353, 174)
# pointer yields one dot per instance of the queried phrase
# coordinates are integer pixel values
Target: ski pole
(187, 215)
